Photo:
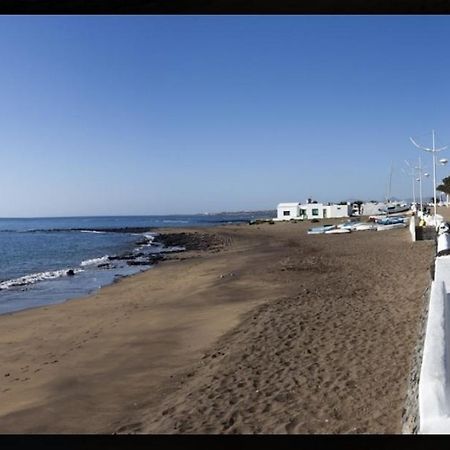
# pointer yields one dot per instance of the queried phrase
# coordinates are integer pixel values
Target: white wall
(370, 209)
(339, 210)
(292, 208)
(434, 383)
(310, 207)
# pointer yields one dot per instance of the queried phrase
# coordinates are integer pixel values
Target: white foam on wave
(94, 261)
(92, 231)
(175, 248)
(35, 277)
(150, 237)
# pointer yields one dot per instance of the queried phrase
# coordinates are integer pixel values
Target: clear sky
(185, 114)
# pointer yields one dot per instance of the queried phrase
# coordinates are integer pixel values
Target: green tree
(445, 186)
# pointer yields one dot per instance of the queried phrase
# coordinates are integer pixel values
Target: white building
(372, 208)
(299, 211)
(288, 211)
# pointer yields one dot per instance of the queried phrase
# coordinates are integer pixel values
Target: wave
(174, 248)
(35, 277)
(94, 261)
(102, 230)
(92, 231)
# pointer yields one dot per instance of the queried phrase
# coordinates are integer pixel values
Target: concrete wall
(434, 383)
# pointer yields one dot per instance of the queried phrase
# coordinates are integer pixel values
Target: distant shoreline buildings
(314, 210)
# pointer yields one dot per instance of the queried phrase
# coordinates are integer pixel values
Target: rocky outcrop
(190, 241)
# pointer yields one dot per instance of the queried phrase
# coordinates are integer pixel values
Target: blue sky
(185, 114)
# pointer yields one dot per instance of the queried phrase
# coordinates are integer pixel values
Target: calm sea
(35, 254)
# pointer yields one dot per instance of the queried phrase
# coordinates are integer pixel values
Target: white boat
(365, 226)
(338, 231)
(350, 225)
(396, 208)
(391, 226)
(321, 230)
(392, 220)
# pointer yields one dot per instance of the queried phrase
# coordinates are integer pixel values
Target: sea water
(36, 254)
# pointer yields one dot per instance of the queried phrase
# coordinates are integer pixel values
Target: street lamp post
(443, 162)
(422, 174)
(433, 150)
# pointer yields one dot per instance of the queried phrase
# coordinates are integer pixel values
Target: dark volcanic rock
(143, 242)
(149, 260)
(191, 241)
(124, 257)
(138, 263)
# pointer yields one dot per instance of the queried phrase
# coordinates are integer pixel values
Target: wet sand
(274, 331)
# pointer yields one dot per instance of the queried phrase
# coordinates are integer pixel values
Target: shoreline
(157, 351)
(149, 249)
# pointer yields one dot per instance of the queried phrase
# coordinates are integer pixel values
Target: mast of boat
(388, 194)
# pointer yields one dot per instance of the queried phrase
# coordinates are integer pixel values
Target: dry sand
(276, 332)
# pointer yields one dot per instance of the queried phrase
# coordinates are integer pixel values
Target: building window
(315, 212)
(286, 213)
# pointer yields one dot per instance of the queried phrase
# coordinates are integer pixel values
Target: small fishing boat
(338, 231)
(365, 226)
(395, 208)
(321, 230)
(350, 225)
(391, 220)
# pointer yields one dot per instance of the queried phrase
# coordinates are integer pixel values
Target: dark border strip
(224, 7)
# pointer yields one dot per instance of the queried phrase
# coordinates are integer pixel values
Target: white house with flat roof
(300, 211)
(288, 211)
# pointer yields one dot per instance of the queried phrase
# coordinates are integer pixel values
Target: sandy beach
(269, 330)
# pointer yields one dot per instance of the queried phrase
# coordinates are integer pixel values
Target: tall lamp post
(433, 150)
(422, 174)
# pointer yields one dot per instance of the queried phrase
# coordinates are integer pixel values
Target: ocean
(50, 260)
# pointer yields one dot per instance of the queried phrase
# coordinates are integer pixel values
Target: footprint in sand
(292, 426)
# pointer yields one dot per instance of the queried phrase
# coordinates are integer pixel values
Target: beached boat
(321, 230)
(390, 226)
(349, 225)
(391, 220)
(338, 231)
(364, 227)
(395, 208)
